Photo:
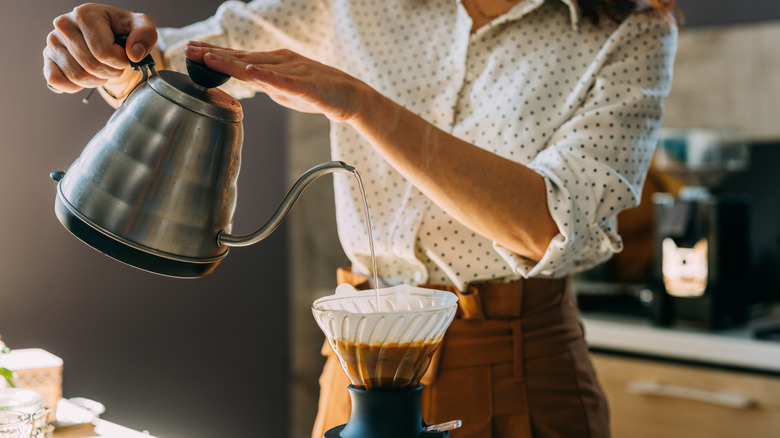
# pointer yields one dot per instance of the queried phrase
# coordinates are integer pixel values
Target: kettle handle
(287, 203)
(147, 61)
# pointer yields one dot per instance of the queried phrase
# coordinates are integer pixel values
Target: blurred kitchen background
(237, 353)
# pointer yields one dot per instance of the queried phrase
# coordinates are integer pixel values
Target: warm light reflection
(685, 269)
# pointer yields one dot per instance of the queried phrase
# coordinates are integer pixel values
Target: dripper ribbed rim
(388, 345)
(364, 302)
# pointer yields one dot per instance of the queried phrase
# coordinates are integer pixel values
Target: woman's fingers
(196, 49)
(230, 65)
(81, 51)
(56, 78)
(194, 53)
(70, 75)
(141, 33)
(231, 62)
(69, 50)
(100, 25)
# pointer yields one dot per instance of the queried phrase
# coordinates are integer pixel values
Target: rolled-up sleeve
(259, 25)
(596, 162)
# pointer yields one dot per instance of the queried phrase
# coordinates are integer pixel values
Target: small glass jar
(28, 402)
(15, 424)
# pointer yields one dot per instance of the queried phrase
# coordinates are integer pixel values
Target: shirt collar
(574, 12)
(527, 6)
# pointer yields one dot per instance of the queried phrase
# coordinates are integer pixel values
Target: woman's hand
(288, 78)
(80, 51)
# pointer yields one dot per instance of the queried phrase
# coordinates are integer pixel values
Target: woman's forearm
(498, 198)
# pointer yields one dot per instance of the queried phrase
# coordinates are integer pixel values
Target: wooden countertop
(77, 431)
(98, 429)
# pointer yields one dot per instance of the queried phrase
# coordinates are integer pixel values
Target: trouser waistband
(521, 298)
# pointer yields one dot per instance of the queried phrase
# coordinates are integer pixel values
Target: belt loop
(518, 370)
(345, 275)
(470, 304)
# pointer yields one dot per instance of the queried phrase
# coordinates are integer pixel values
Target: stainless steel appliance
(701, 234)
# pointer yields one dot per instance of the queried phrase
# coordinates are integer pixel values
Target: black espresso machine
(702, 250)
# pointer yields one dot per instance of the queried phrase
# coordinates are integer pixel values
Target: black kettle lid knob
(204, 76)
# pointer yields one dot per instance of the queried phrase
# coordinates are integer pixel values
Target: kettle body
(157, 184)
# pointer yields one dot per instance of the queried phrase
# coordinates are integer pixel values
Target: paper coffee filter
(405, 314)
(385, 338)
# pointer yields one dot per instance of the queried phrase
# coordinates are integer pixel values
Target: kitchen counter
(733, 348)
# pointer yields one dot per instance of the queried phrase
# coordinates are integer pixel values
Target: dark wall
(760, 183)
(181, 358)
(725, 12)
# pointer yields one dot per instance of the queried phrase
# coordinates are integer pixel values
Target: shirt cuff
(544, 268)
(171, 41)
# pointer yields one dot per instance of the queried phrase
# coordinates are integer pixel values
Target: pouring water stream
(370, 237)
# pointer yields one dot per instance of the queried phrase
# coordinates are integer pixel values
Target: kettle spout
(287, 203)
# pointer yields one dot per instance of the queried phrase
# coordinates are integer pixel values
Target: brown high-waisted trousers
(513, 364)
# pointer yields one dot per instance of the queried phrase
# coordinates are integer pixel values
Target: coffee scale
(701, 233)
(384, 340)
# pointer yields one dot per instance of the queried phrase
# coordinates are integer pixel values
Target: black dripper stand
(388, 413)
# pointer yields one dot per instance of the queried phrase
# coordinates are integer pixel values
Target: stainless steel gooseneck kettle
(156, 187)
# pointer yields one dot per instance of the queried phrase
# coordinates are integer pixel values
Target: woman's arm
(500, 199)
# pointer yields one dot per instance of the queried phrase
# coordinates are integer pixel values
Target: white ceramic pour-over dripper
(386, 342)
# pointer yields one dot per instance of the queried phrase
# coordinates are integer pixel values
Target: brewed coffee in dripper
(385, 338)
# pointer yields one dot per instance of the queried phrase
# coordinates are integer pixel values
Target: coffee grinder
(385, 339)
(701, 234)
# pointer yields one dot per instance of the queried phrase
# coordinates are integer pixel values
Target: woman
(497, 140)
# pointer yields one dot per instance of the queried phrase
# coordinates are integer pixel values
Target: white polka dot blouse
(579, 103)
